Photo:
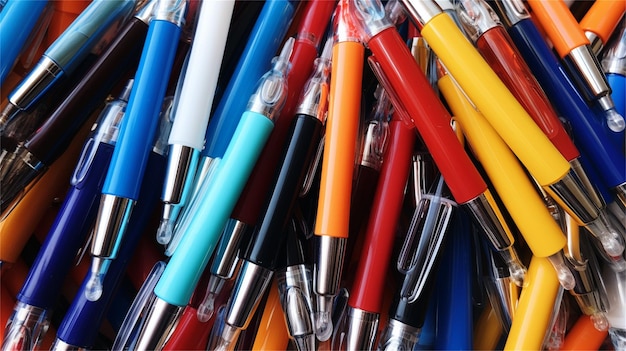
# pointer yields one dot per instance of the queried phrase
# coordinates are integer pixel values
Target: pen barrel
(559, 24)
(368, 286)
(340, 140)
(500, 53)
(66, 235)
(270, 234)
(139, 126)
(541, 232)
(601, 20)
(618, 85)
(218, 199)
(428, 114)
(592, 139)
(495, 101)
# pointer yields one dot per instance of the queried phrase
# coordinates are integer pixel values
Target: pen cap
(510, 11)
(476, 17)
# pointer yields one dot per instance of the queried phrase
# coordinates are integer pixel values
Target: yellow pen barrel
(534, 310)
(495, 101)
(540, 230)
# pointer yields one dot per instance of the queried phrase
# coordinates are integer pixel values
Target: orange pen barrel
(603, 17)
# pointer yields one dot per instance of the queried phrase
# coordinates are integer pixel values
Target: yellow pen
(507, 116)
(535, 307)
(541, 232)
(272, 332)
(488, 330)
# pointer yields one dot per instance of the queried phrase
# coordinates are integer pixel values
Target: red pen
(366, 295)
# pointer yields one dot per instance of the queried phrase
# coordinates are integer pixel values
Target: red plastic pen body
(428, 114)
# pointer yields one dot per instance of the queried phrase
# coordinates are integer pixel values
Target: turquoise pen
(217, 197)
(137, 133)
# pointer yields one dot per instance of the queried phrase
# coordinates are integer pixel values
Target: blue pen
(54, 260)
(123, 181)
(18, 21)
(614, 65)
(587, 127)
(66, 53)
(218, 197)
(81, 323)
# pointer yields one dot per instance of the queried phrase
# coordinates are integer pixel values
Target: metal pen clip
(424, 241)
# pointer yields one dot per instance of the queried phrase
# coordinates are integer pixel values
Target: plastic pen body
(602, 18)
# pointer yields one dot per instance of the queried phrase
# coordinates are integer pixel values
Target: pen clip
(138, 310)
(424, 241)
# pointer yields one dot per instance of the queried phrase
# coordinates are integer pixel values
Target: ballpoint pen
(365, 300)
(615, 284)
(260, 257)
(137, 132)
(602, 18)
(272, 333)
(586, 127)
(491, 39)
(418, 105)
(18, 22)
(66, 53)
(574, 48)
(333, 209)
(50, 140)
(531, 320)
(418, 260)
(84, 317)
(311, 27)
(262, 44)
(614, 64)
(194, 104)
(583, 336)
(40, 290)
(518, 130)
(175, 286)
(539, 229)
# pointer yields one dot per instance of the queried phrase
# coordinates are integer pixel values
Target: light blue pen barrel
(263, 43)
(139, 127)
(198, 242)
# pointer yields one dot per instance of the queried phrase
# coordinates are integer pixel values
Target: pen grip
(121, 57)
(542, 233)
(369, 282)
(138, 128)
(586, 125)
(198, 242)
(428, 114)
(67, 234)
(559, 24)
(603, 17)
(495, 101)
(270, 234)
(500, 53)
(333, 214)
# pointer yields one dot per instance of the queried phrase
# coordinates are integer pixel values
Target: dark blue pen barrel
(68, 232)
(269, 237)
(588, 131)
(81, 323)
(618, 85)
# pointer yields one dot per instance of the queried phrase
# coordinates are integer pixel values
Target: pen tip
(93, 289)
(164, 232)
(323, 325)
(206, 308)
(615, 121)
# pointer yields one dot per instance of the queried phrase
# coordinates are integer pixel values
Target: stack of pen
(313, 174)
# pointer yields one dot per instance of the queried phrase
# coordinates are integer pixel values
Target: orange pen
(601, 20)
(584, 336)
(272, 331)
(333, 211)
(575, 49)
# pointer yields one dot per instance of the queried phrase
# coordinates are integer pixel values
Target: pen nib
(165, 232)
(323, 317)
(615, 121)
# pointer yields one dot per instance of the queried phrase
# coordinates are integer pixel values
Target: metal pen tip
(305, 342)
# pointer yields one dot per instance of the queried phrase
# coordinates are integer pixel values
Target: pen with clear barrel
(66, 53)
(310, 31)
(415, 99)
(574, 49)
(366, 294)
(615, 285)
(614, 64)
(260, 257)
(481, 24)
(51, 139)
(40, 290)
(600, 21)
(218, 197)
(80, 325)
(194, 104)
(137, 133)
(586, 126)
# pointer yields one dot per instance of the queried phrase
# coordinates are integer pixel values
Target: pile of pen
(303, 175)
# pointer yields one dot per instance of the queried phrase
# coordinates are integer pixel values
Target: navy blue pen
(82, 321)
(123, 182)
(588, 131)
(54, 260)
